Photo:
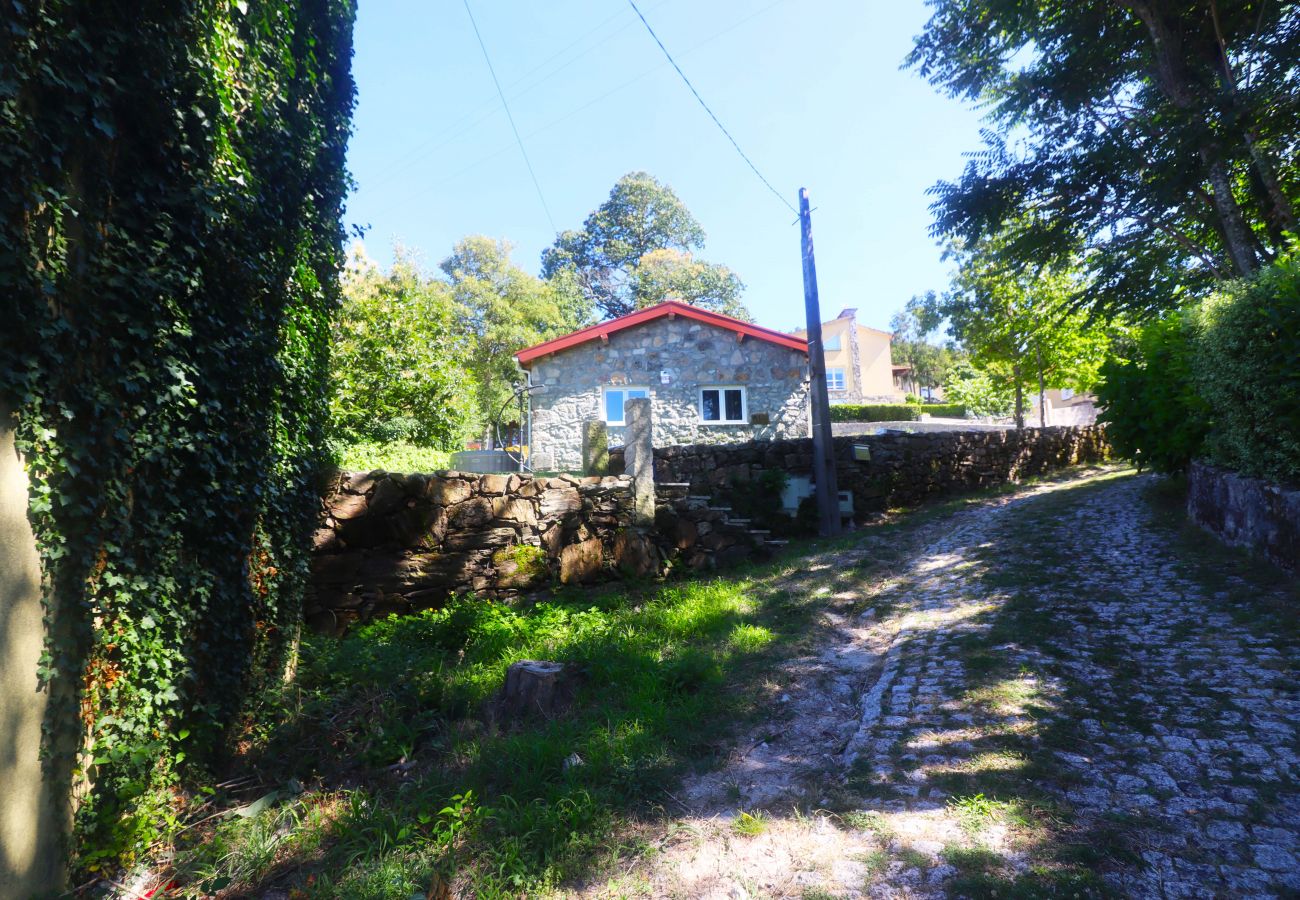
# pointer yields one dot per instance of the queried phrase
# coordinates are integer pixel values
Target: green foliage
(505, 811)
(395, 456)
(500, 309)
(979, 392)
(1018, 322)
(1247, 369)
(1164, 133)
(1153, 412)
(169, 256)
(1220, 380)
(912, 345)
(894, 412)
(398, 369)
(635, 250)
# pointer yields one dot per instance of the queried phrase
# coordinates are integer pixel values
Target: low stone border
(1247, 512)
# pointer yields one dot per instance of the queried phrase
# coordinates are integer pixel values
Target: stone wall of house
(1247, 512)
(690, 355)
(390, 543)
(903, 469)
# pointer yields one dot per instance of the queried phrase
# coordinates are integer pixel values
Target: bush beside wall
(1218, 381)
(894, 412)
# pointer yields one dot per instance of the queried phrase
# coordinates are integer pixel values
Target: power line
(502, 95)
(721, 127)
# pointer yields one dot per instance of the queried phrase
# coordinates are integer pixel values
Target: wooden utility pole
(828, 495)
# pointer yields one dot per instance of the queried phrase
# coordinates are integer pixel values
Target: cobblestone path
(1057, 695)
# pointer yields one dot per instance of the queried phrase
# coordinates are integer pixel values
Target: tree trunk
(1020, 398)
(1235, 232)
(1171, 75)
(1042, 394)
(1278, 209)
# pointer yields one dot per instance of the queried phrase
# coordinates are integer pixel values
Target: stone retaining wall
(1248, 512)
(904, 469)
(391, 543)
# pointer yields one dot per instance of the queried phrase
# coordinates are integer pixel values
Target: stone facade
(903, 469)
(1247, 512)
(690, 355)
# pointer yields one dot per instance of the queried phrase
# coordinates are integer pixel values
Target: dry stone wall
(390, 543)
(1247, 512)
(903, 468)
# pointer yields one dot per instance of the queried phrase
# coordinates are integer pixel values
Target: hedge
(1219, 380)
(894, 412)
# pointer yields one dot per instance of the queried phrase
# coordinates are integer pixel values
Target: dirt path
(1049, 698)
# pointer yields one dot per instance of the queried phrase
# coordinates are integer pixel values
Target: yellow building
(859, 367)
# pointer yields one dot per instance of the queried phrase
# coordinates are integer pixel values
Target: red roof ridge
(650, 313)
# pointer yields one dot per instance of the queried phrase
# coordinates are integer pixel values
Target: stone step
(776, 542)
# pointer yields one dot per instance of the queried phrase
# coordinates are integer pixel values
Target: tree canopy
(1160, 131)
(637, 249)
(397, 367)
(1021, 321)
(914, 345)
(499, 309)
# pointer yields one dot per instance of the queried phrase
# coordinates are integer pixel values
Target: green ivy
(169, 261)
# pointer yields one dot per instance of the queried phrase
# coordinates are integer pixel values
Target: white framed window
(613, 399)
(832, 342)
(1067, 393)
(834, 379)
(723, 405)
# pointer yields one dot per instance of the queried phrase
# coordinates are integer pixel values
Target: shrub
(945, 410)
(1153, 413)
(979, 392)
(399, 456)
(875, 412)
(1219, 380)
(1247, 369)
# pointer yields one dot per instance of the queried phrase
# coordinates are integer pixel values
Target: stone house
(711, 379)
(859, 367)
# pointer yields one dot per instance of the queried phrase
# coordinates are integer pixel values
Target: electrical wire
(502, 94)
(410, 198)
(715, 119)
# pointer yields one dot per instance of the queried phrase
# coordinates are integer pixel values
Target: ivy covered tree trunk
(170, 248)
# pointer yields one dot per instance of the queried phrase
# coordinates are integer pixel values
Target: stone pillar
(595, 447)
(639, 457)
(31, 822)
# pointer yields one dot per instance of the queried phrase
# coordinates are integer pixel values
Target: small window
(723, 405)
(832, 342)
(834, 379)
(1067, 393)
(614, 400)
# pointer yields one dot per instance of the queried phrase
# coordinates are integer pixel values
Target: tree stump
(533, 688)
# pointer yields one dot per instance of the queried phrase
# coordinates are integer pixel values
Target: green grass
(395, 457)
(408, 776)
(750, 824)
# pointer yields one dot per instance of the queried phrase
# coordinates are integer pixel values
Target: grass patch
(398, 456)
(750, 824)
(972, 860)
(408, 779)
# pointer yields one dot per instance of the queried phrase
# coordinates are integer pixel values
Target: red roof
(658, 311)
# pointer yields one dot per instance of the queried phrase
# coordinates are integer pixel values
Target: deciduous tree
(636, 250)
(398, 366)
(1162, 131)
(500, 309)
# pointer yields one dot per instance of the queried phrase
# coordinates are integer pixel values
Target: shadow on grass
(405, 784)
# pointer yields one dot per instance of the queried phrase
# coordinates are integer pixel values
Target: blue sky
(812, 91)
